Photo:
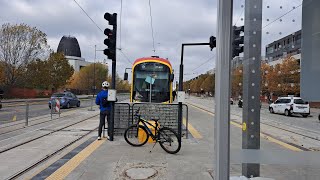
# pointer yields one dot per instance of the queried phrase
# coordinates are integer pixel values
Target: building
(287, 46)
(69, 46)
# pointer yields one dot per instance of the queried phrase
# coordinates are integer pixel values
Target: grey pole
(222, 88)
(251, 82)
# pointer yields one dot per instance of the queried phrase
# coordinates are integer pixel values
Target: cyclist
(105, 108)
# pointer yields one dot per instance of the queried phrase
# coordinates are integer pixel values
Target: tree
(2, 73)
(59, 71)
(20, 44)
(265, 69)
(36, 75)
(208, 83)
(284, 79)
(237, 81)
(83, 80)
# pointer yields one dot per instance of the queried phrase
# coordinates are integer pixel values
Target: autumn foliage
(280, 80)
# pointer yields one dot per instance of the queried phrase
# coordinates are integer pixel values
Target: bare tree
(20, 44)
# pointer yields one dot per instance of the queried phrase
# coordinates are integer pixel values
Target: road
(300, 131)
(16, 111)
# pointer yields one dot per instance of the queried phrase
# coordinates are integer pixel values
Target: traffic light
(237, 43)
(212, 42)
(111, 40)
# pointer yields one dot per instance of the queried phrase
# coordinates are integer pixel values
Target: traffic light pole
(181, 78)
(251, 82)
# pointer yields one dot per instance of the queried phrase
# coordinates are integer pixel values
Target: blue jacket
(102, 94)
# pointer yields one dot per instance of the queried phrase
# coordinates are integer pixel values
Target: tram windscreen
(158, 75)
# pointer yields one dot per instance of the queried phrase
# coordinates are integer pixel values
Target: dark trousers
(103, 115)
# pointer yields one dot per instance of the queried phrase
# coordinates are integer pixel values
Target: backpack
(105, 102)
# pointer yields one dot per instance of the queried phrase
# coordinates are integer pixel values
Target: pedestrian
(105, 108)
(174, 95)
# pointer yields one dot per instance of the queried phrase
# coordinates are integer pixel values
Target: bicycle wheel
(136, 135)
(168, 140)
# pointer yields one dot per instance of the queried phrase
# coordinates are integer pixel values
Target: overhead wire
(120, 49)
(151, 23)
(282, 16)
(88, 15)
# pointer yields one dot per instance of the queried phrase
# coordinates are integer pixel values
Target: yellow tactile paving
(67, 168)
(192, 130)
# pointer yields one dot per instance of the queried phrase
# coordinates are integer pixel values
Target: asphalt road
(16, 111)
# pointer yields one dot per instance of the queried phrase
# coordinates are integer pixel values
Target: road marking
(67, 168)
(269, 138)
(192, 130)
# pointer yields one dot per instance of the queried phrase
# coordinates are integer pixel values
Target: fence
(166, 113)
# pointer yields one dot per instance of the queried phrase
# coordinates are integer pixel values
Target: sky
(174, 22)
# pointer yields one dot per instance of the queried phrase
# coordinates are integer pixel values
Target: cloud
(174, 23)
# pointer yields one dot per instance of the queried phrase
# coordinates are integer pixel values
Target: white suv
(289, 106)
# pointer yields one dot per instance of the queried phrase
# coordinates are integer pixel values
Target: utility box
(112, 95)
(181, 96)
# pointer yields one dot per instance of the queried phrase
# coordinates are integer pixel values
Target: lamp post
(94, 76)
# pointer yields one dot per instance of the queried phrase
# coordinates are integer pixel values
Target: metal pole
(94, 70)
(180, 89)
(222, 89)
(113, 84)
(27, 113)
(112, 103)
(251, 82)
(150, 93)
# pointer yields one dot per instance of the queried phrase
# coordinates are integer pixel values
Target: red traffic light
(108, 32)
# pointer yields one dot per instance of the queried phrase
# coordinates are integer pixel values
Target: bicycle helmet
(105, 84)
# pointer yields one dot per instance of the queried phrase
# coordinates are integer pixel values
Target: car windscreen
(58, 95)
(300, 101)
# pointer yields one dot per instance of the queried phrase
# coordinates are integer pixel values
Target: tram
(152, 79)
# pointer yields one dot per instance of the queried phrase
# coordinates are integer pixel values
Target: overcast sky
(174, 22)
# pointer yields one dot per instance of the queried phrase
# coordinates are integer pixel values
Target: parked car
(66, 99)
(289, 106)
(231, 101)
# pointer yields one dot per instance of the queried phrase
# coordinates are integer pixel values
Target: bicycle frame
(145, 122)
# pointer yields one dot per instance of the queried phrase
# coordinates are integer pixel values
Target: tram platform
(116, 159)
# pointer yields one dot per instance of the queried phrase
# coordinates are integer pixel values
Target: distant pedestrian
(174, 93)
(105, 108)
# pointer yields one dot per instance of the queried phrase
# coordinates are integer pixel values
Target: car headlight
(62, 100)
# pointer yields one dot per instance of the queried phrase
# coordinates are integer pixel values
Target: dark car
(66, 99)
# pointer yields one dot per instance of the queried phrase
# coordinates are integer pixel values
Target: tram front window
(158, 75)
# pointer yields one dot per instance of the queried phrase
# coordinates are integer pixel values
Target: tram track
(48, 156)
(278, 126)
(44, 135)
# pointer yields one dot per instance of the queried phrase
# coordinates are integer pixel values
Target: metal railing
(166, 113)
(14, 112)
